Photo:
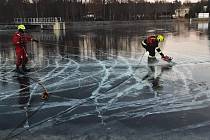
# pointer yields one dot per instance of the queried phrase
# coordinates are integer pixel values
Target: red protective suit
(151, 44)
(19, 40)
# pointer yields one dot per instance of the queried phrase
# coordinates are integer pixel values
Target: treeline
(74, 10)
(79, 10)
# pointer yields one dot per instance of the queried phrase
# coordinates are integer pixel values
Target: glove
(35, 40)
(167, 58)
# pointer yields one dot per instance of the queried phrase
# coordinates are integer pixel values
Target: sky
(193, 1)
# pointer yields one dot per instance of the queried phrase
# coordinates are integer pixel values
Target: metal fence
(37, 20)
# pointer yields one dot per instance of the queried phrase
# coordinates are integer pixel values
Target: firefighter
(151, 44)
(20, 40)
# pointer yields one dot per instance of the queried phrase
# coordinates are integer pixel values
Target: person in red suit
(151, 45)
(20, 40)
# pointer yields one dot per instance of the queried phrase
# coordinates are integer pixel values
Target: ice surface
(102, 85)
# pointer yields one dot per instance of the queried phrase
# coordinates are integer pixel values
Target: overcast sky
(153, 0)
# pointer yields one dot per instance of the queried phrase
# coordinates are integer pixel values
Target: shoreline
(92, 24)
(106, 24)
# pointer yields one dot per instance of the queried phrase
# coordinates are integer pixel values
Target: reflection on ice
(203, 26)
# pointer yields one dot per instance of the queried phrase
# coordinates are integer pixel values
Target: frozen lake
(102, 87)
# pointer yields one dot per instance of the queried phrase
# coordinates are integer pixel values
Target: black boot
(18, 70)
(25, 69)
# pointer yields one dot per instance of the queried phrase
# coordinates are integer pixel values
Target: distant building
(203, 15)
(181, 12)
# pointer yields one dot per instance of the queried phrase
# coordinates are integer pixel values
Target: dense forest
(78, 10)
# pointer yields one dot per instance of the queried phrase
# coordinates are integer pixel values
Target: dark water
(101, 86)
